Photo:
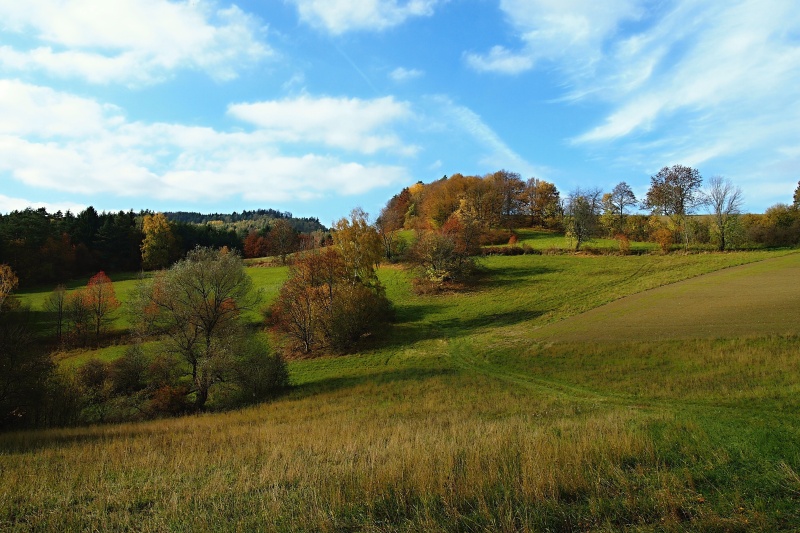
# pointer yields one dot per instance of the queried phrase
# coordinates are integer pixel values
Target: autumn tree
(725, 201)
(79, 316)
(391, 220)
(359, 245)
(255, 245)
(615, 204)
(509, 189)
(542, 202)
(8, 283)
(101, 300)
(321, 306)
(675, 192)
(159, 243)
(195, 306)
(282, 238)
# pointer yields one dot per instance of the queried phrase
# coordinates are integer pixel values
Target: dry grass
(455, 421)
(363, 456)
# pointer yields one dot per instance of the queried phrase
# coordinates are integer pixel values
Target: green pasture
(491, 409)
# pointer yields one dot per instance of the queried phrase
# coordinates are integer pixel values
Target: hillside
(459, 419)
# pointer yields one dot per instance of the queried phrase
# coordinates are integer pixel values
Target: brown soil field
(749, 300)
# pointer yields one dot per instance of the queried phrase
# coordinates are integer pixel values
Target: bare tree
(581, 217)
(56, 303)
(725, 201)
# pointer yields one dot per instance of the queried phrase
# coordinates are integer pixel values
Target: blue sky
(318, 106)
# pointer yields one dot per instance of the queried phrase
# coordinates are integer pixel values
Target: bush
(321, 306)
(259, 374)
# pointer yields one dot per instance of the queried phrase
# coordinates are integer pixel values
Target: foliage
(159, 245)
(581, 216)
(359, 245)
(675, 192)
(8, 283)
(323, 306)
(460, 421)
(196, 306)
(101, 300)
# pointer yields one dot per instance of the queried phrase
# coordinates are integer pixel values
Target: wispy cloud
(496, 154)
(682, 81)
(401, 74)
(341, 16)
(134, 42)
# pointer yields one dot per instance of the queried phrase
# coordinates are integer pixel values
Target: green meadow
(560, 393)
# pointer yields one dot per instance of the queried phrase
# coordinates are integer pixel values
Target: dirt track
(755, 299)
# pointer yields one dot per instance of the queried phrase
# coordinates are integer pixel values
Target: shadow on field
(334, 384)
(407, 332)
(509, 277)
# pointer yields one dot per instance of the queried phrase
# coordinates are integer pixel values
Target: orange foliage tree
(101, 300)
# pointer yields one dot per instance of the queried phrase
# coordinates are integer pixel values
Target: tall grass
(455, 420)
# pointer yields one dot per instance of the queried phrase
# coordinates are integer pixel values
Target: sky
(319, 106)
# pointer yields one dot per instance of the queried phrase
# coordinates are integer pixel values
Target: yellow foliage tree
(158, 243)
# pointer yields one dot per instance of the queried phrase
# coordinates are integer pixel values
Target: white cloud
(341, 16)
(500, 60)
(129, 41)
(683, 81)
(167, 161)
(43, 112)
(347, 123)
(730, 83)
(8, 204)
(401, 74)
(574, 30)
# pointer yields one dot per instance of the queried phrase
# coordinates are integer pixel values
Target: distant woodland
(44, 247)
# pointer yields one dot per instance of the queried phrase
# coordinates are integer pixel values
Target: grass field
(463, 418)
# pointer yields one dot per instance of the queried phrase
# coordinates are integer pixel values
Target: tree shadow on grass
(404, 334)
(334, 384)
(509, 277)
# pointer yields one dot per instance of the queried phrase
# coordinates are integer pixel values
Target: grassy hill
(474, 413)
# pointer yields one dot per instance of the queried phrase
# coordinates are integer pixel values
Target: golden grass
(415, 452)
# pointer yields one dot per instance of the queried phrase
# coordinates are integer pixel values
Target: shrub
(321, 306)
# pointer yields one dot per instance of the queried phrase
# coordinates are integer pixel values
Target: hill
(461, 419)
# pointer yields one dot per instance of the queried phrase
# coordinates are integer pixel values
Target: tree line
(44, 247)
(679, 210)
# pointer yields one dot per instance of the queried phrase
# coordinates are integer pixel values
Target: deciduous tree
(359, 245)
(542, 202)
(725, 201)
(158, 245)
(8, 283)
(321, 306)
(582, 215)
(101, 299)
(196, 306)
(56, 303)
(675, 192)
(282, 238)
